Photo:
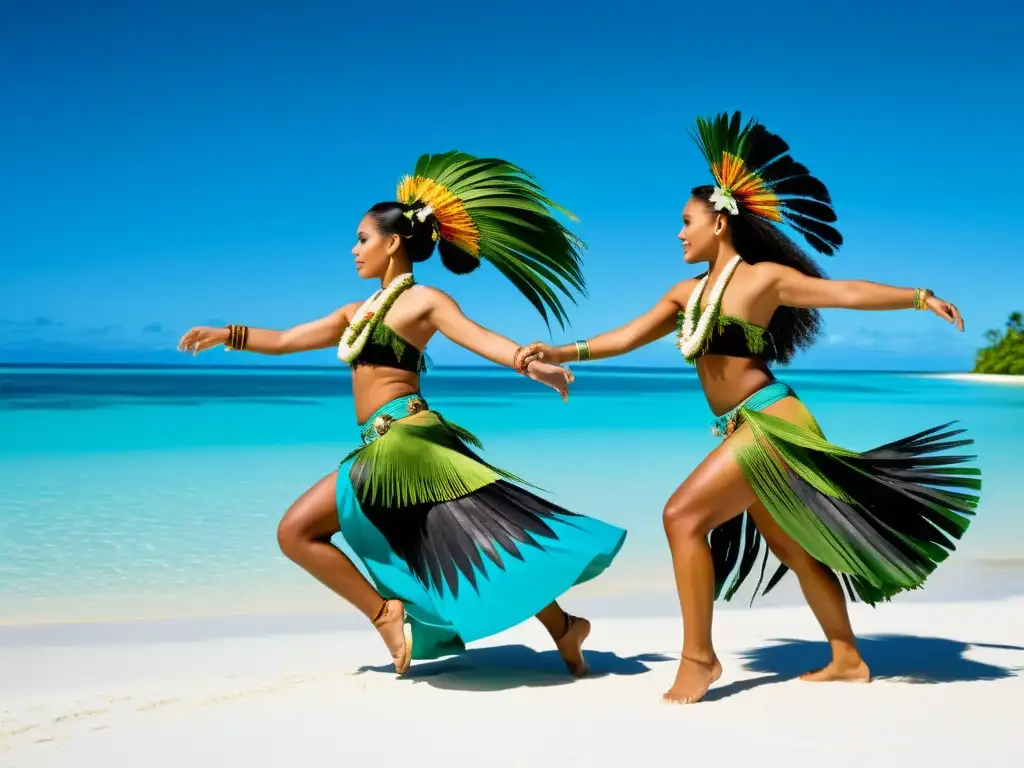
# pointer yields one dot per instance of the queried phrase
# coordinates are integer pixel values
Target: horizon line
(596, 366)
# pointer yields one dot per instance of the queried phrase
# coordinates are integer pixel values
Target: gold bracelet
(582, 350)
(921, 296)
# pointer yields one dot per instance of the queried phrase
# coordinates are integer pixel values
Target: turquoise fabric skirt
(467, 549)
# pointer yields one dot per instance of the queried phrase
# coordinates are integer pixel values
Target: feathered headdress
(753, 172)
(486, 208)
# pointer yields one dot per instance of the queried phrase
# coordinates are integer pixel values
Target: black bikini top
(728, 335)
(386, 348)
(734, 337)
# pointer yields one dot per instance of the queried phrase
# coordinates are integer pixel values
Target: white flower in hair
(724, 201)
(422, 213)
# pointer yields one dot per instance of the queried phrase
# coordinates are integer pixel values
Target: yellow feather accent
(455, 222)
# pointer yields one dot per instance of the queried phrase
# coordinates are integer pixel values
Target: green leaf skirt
(882, 519)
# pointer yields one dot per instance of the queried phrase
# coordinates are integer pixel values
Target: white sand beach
(948, 690)
(979, 378)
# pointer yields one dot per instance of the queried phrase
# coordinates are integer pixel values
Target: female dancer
(883, 518)
(455, 551)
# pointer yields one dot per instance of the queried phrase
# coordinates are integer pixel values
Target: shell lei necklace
(693, 333)
(354, 338)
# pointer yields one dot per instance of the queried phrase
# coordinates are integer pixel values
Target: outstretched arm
(446, 316)
(791, 288)
(657, 322)
(318, 334)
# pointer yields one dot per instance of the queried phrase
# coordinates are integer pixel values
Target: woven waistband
(381, 420)
(768, 395)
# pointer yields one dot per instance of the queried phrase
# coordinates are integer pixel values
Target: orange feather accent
(746, 187)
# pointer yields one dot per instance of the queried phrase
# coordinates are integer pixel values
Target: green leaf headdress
(487, 208)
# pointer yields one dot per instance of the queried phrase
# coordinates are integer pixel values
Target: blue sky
(207, 162)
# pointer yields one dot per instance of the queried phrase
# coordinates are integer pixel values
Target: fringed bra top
(386, 348)
(734, 337)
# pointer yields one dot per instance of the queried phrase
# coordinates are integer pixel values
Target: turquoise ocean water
(150, 492)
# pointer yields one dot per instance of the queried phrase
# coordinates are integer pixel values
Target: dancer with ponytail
(456, 549)
(877, 522)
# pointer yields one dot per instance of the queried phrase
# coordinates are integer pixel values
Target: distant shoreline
(979, 378)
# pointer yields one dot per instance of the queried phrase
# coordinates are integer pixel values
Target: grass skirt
(883, 519)
(467, 549)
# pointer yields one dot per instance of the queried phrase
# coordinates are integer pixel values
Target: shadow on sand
(904, 658)
(504, 667)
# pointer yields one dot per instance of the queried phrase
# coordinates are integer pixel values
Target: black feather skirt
(881, 519)
(467, 548)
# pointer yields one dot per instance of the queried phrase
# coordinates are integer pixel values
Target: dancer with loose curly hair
(881, 519)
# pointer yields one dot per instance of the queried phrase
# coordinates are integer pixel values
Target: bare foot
(855, 671)
(570, 645)
(396, 635)
(693, 680)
